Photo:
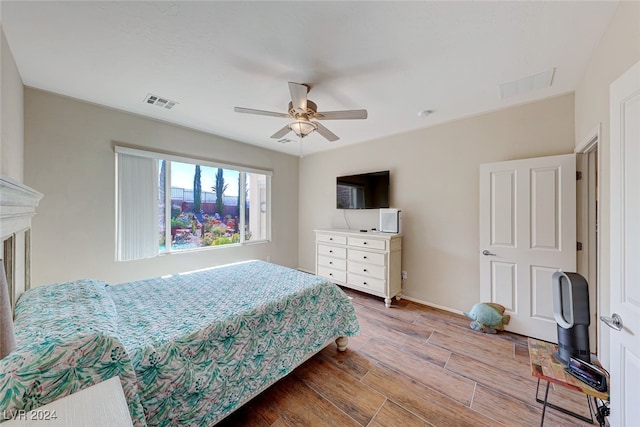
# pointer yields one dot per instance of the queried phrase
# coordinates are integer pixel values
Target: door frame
(591, 249)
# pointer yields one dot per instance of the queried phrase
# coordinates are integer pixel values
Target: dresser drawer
(332, 251)
(376, 285)
(368, 243)
(332, 273)
(368, 257)
(369, 270)
(339, 264)
(332, 238)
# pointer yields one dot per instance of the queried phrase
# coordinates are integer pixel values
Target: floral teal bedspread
(189, 349)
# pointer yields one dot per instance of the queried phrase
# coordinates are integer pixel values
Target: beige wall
(12, 141)
(434, 174)
(618, 50)
(11, 114)
(69, 157)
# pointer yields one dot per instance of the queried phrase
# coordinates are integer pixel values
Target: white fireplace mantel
(18, 205)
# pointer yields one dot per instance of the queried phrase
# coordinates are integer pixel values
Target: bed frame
(342, 343)
(18, 205)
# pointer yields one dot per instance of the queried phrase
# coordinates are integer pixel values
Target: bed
(189, 349)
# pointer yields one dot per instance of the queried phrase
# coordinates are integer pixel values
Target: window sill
(207, 248)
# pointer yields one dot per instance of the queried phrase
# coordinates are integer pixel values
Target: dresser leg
(387, 302)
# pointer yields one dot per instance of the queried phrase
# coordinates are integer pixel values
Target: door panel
(625, 247)
(541, 293)
(545, 188)
(527, 231)
(503, 208)
(504, 280)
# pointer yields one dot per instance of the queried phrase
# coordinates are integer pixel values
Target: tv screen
(363, 191)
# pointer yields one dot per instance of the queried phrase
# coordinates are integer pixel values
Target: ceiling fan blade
(326, 133)
(299, 96)
(341, 115)
(282, 132)
(260, 112)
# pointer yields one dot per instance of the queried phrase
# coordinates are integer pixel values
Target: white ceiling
(392, 58)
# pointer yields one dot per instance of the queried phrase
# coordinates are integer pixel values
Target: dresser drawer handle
(364, 257)
(330, 252)
(330, 262)
(364, 283)
(364, 243)
(365, 270)
(330, 238)
(331, 274)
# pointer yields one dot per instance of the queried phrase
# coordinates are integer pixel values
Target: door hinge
(579, 246)
(578, 175)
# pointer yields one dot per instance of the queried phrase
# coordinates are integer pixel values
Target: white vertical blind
(137, 201)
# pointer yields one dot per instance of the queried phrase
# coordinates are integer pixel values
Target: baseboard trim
(430, 304)
(419, 301)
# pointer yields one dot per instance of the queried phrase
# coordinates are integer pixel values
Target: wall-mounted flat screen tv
(363, 191)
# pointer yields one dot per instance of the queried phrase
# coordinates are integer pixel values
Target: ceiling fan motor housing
(312, 108)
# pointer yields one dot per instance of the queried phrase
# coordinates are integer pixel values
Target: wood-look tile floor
(411, 365)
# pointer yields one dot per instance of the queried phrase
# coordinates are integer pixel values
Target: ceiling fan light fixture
(303, 128)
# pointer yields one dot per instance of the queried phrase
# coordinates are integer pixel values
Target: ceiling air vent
(160, 101)
(527, 84)
(285, 140)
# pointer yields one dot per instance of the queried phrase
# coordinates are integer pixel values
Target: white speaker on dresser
(390, 221)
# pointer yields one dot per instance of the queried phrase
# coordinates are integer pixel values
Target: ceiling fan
(302, 110)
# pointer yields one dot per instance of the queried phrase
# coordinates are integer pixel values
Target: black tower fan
(571, 310)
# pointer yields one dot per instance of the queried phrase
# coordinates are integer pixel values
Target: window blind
(137, 207)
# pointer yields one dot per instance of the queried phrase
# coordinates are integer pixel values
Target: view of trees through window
(202, 206)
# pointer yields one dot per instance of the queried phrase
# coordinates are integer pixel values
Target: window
(169, 203)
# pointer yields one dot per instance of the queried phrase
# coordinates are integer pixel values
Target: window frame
(194, 160)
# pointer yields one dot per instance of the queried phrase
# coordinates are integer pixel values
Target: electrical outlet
(404, 275)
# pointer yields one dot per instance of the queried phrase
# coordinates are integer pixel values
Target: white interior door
(625, 248)
(527, 232)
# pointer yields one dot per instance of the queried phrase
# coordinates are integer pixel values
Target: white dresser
(366, 261)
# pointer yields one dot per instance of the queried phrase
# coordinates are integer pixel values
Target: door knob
(487, 253)
(614, 322)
